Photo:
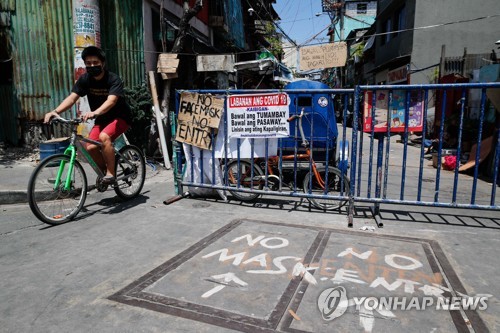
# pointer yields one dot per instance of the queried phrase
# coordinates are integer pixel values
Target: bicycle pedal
(100, 186)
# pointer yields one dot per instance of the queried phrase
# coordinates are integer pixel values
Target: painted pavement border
(133, 293)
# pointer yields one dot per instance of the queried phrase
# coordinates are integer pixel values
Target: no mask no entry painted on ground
(257, 276)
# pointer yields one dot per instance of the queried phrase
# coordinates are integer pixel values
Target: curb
(13, 197)
(8, 197)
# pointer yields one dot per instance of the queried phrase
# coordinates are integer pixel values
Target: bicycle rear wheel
(130, 172)
(54, 204)
(334, 188)
(242, 174)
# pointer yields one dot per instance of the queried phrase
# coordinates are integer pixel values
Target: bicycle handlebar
(305, 143)
(60, 119)
(295, 116)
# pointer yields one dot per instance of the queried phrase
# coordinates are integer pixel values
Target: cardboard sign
(397, 111)
(258, 116)
(323, 56)
(494, 96)
(198, 115)
(167, 63)
(215, 63)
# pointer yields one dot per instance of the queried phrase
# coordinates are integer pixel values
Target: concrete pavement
(202, 265)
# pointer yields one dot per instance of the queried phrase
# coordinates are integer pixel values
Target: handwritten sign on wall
(323, 56)
(198, 115)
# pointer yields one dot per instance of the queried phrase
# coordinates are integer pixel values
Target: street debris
(294, 315)
(10, 155)
(300, 270)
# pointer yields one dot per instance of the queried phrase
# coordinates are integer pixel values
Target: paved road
(211, 265)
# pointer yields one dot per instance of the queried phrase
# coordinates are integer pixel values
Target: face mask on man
(94, 70)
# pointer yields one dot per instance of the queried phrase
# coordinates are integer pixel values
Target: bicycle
(58, 186)
(250, 175)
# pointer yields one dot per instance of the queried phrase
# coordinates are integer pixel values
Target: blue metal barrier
(292, 172)
(404, 181)
(382, 172)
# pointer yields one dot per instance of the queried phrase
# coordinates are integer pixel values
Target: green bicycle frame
(71, 152)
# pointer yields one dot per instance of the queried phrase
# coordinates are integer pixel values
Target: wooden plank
(159, 121)
(168, 76)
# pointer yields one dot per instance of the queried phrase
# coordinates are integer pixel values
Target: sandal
(108, 179)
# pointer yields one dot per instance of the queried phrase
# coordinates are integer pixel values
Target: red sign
(397, 75)
(238, 101)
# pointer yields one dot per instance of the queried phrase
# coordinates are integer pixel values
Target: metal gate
(396, 172)
(339, 150)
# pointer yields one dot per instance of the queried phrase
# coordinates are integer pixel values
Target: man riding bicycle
(111, 112)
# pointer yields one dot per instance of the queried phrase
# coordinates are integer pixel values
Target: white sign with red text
(258, 116)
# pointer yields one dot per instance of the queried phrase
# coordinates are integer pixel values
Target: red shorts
(114, 129)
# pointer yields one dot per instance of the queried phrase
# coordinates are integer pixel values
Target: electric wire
(312, 16)
(275, 24)
(346, 39)
(356, 19)
(423, 27)
(295, 18)
(313, 37)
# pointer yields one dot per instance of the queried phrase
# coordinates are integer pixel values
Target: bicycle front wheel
(241, 174)
(130, 172)
(48, 197)
(338, 185)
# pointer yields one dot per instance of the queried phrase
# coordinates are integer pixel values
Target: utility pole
(336, 9)
(341, 13)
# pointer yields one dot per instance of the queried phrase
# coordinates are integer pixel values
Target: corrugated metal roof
(8, 5)
(122, 38)
(42, 56)
(234, 18)
(39, 39)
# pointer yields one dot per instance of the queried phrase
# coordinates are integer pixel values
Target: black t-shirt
(97, 91)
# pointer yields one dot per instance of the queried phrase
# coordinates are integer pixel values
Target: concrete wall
(424, 45)
(291, 57)
(477, 36)
(399, 45)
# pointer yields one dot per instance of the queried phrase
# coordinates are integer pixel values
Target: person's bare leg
(108, 153)
(95, 152)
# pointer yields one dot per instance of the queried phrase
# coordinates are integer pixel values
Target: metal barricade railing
(402, 175)
(382, 170)
(303, 165)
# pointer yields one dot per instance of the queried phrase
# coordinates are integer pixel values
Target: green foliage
(434, 78)
(274, 39)
(357, 50)
(141, 102)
